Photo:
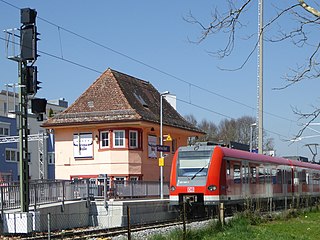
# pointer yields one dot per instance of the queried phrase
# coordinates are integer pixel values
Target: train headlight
(172, 188)
(212, 188)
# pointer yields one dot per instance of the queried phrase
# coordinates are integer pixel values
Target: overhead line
(97, 71)
(157, 69)
(140, 62)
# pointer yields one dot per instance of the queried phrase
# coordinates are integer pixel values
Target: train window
(193, 163)
(274, 176)
(261, 175)
(303, 177)
(236, 173)
(297, 177)
(253, 175)
(228, 167)
(288, 176)
(267, 175)
(315, 179)
(279, 176)
(245, 174)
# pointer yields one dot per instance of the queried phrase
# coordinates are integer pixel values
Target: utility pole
(23, 144)
(260, 78)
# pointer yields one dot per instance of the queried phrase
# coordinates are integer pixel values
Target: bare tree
(228, 131)
(304, 18)
(237, 130)
(211, 131)
(191, 119)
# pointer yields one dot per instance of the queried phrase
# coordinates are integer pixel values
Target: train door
(233, 180)
(268, 182)
(315, 181)
(296, 181)
(245, 179)
(284, 183)
(253, 179)
(277, 181)
(305, 182)
(261, 191)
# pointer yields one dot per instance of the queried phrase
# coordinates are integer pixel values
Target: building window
(11, 155)
(5, 108)
(134, 179)
(133, 139)
(50, 158)
(4, 131)
(174, 145)
(119, 179)
(119, 138)
(104, 138)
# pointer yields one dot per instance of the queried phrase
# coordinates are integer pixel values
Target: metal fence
(42, 192)
(138, 189)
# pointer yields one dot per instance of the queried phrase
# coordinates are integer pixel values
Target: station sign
(163, 148)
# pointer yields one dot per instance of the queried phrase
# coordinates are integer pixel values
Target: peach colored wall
(113, 162)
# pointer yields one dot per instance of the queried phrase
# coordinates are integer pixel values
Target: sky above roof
(150, 40)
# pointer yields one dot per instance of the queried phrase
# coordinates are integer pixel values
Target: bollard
(49, 226)
(221, 215)
(128, 221)
(184, 219)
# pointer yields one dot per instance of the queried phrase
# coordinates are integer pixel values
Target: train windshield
(193, 163)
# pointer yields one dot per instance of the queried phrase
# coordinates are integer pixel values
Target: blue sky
(149, 40)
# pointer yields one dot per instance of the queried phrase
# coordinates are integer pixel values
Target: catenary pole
(260, 78)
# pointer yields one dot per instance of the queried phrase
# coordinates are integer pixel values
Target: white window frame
(134, 179)
(11, 150)
(102, 140)
(120, 179)
(4, 129)
(51, 158)
(123, 139)
(136, 142)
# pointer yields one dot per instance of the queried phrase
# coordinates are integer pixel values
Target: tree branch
(309, 9)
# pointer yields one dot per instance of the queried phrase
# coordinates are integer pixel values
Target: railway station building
(113, 128)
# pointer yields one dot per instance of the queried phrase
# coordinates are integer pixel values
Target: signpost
(163, 148)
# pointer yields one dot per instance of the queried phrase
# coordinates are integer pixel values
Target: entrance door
(234, 180)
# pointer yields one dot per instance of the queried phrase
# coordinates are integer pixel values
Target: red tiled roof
(115, 97)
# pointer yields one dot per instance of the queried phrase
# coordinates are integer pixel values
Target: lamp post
(251, 133)
(161, 142)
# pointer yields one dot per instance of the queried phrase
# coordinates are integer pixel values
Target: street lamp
(251, 133)
(161, 143)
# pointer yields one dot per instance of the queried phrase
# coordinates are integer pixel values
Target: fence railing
(42, 192)
(138, 189)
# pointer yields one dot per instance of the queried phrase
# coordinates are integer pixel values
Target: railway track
(102, 233)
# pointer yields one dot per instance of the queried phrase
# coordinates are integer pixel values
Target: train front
(192, 177)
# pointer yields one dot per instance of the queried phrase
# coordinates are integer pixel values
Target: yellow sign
(168, 138)
(161, 162)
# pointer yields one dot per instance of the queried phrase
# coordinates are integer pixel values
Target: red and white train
(209, 175)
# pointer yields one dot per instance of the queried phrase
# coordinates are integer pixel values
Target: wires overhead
(62, 57)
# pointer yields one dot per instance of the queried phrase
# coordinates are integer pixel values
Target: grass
(290, 226)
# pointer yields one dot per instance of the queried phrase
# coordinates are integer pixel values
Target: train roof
(234, 153)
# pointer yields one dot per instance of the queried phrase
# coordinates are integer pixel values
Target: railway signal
(28, 35)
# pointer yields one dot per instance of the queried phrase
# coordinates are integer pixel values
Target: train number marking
(190, 189)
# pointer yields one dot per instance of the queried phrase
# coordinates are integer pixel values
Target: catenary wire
(184, 101)
(144, 64)
(147, 65)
